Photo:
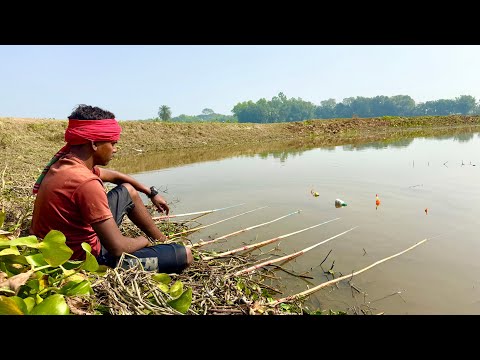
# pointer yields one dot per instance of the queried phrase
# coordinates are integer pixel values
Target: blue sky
(133, 81)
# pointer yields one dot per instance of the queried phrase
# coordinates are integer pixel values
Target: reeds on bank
(235, 282)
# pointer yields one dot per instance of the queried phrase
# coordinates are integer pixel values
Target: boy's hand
(161, 204)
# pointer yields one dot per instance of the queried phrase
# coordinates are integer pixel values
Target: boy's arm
(113, 240)
(118, 178)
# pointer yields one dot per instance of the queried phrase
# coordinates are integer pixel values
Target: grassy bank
(27, 144)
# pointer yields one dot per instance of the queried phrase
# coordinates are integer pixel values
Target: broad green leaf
(8, 306)
(163, 287)
(67, 273)
(36, 260)
(12, 268)
(176, 289)
(102, 269)
(76, 288)
(30, 241)
(20, 303)
(30, 302)
(40, 274)
(54, 249)
(52, 305)
(183, 302)
(50, 280)
(162, 278)
(43, 281)
(86, 247)
(12, 251)
(33, 284)
(15, 259)
(72, 264)
(90, 263)
(38, 299)
(5, 243)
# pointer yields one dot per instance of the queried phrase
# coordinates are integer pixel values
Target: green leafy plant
(180, 299)
(37, 276)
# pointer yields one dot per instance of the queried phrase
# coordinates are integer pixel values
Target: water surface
(439, 174)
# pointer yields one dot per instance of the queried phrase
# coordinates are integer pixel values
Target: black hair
(87, 112)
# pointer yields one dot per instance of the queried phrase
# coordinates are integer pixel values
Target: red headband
(82, 131)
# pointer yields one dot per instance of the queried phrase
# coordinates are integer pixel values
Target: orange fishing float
(377, 201)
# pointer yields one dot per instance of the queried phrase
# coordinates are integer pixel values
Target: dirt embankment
(27, 144)
(158, 136)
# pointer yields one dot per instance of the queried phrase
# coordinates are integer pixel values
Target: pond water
(440, 174)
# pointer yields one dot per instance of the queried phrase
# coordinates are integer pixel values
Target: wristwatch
(153, 192)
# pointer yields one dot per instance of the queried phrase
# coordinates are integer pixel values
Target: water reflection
(379, 145)
(179, 157)
(278, 150)
(463, 137)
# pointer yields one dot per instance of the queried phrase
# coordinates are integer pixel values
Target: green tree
(244, 111)
(164, 113)
(342, 110)
(402, 105)
(326, 110)
(299, 110)
(361, 106)
(208, 111)
(465, 105)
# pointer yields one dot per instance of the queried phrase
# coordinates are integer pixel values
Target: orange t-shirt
(70, 199)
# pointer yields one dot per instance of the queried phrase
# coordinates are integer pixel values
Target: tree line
(282, 109)
(207, 115)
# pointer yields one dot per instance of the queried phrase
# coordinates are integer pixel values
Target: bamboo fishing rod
(202, 243)
(263, 243)
(331, 282)
(204, 226)
(204, 212)
(288, 257)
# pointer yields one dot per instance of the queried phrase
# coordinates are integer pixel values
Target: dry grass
(215, 290)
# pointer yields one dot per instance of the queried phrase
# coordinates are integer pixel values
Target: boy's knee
(131, 190)
(189, 255)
